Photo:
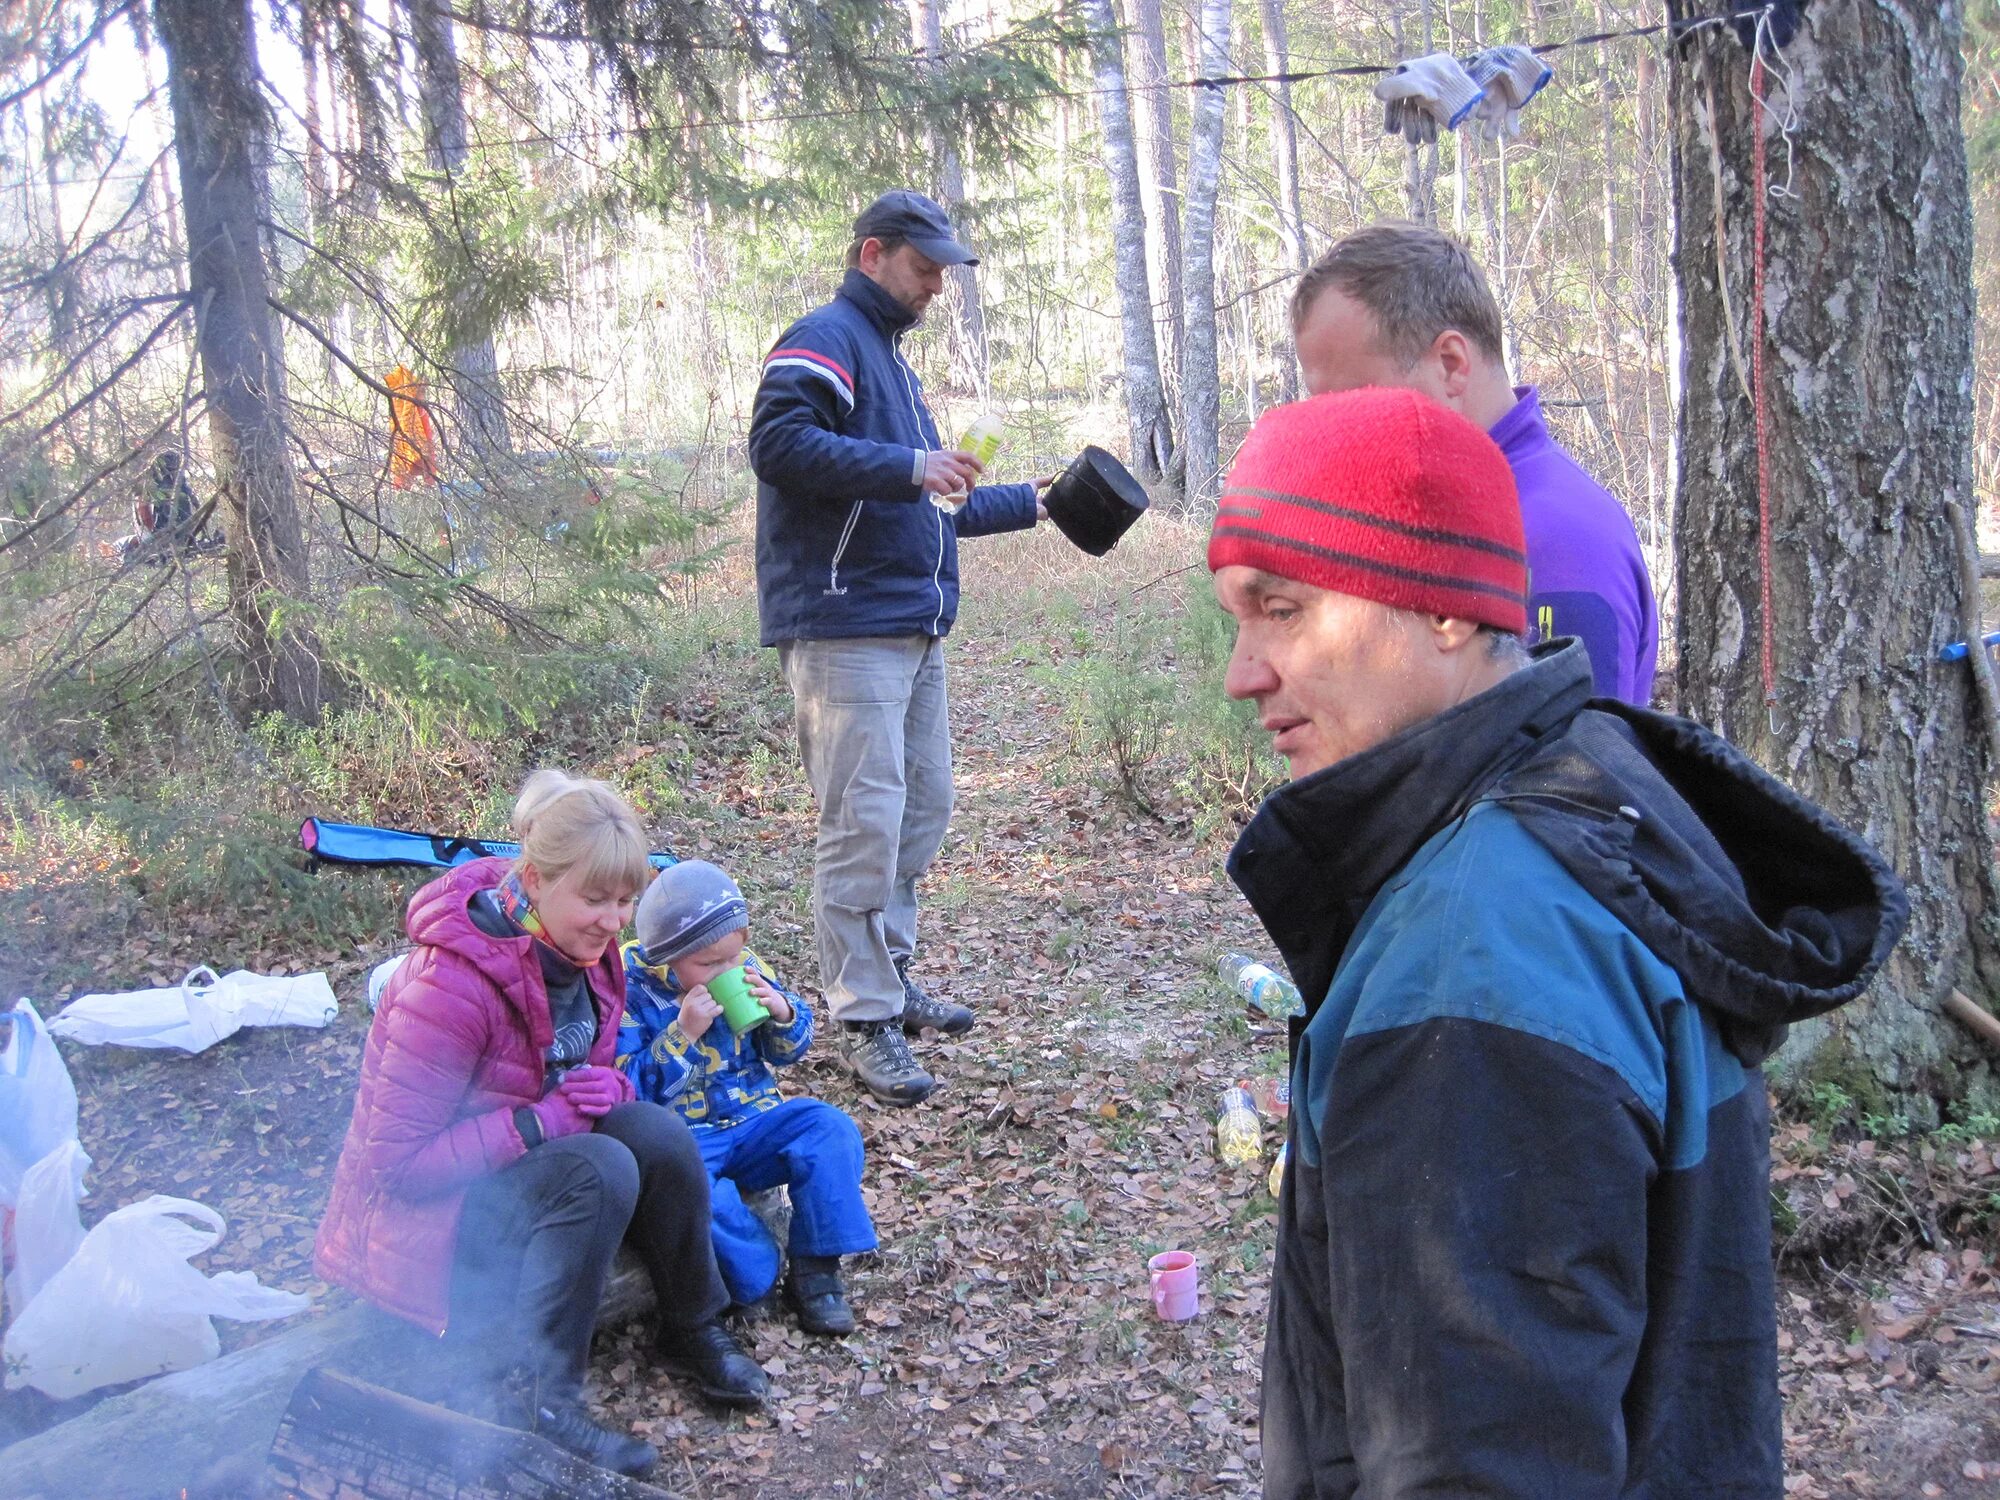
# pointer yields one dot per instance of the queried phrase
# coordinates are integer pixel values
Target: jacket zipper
(839, 548)
(937, 569)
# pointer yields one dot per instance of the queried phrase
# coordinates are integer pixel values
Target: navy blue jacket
(1524, 1243)
(847, 542)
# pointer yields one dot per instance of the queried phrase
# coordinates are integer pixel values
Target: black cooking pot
(1095, 501)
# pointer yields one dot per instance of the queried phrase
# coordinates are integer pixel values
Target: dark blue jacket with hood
(1524, 1240)
(847, 543)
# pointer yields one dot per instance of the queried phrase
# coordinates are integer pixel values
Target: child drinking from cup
(705, 1022)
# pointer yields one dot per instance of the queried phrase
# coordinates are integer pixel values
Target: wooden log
(341, 1437)
(202, 1434)
(1981, 1022)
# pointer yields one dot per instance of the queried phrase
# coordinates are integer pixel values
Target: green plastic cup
(741, 1009)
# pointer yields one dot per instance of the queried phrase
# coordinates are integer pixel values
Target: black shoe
(920, 1010)
(707, 1355)
(814, 1292)
(568, 1426)
(877, 1054)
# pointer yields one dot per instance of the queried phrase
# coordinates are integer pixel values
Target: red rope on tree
(1759, 396)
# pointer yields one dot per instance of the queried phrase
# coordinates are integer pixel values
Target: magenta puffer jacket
(456, 1047)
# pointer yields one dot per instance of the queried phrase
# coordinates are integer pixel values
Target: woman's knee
(606, 1167)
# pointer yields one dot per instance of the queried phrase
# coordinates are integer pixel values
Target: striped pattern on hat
(1382, 494)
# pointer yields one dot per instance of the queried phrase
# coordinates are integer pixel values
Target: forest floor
(1007, 1345)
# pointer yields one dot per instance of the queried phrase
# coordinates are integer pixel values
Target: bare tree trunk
(968, 322)
(1419, 162)
(1285, 145)
(1867, 340)
(1159, 180)
(219, 134)
(1145, 401)
(59, 289)
(317, 187)
(475, 370)
(1201, 385)
(1646, 289)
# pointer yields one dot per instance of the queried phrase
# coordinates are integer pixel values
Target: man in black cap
(857, 586)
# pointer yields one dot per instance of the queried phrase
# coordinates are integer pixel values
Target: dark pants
(537, 1237)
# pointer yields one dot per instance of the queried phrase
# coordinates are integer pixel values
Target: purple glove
(595, 1091)
(558, 1115)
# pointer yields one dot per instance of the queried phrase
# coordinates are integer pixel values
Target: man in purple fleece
(1404, 305)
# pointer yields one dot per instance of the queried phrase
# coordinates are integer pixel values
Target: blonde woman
(497, 1156)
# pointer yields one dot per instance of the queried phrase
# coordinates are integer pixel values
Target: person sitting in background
(678, 1049)
(165, 510)
(496, 1156)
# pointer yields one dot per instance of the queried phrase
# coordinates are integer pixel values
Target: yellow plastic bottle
(1238, 1136)
(982, 440)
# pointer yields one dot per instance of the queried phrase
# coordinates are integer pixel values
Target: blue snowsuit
(751, 1137)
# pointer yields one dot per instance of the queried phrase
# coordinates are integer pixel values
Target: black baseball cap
(915, 218)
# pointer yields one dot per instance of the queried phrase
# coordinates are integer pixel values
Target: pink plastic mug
(1176, 1297)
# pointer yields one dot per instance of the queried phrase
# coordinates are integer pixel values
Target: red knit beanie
(1383, 494)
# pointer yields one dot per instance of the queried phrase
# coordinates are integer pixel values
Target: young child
(678, 1050)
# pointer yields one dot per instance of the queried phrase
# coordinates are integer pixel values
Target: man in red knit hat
(1524, 1241)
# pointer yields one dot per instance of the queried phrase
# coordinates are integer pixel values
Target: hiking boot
(920, 1010)
(813, 1291)
(875, 1052)
(568, 1426)
(709, 1357)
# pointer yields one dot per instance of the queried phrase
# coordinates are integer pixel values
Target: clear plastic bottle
(982, 440)
(1271, 1096)
(1262, 987)
(1238, 1136)
(1277, 1178)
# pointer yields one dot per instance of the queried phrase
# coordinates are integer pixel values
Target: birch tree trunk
(1285, 146)
(1145, 401)
(1201, 383)
(219, 136)
(1159, 177)
(1867, 344)
(968, 314)
(475, 371)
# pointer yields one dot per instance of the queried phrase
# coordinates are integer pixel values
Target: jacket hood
(438, 917)
(1768, 909)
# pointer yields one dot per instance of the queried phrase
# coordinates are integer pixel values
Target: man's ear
(870, 259)
(1454, 354)
(1451, 633)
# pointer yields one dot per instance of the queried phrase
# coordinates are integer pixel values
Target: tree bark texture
(1159, 177)
(1145, 401)
(219, 136)
(1201, 381)
(1867, 346)
(475, 369)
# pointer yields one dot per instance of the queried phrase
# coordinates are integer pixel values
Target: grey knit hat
(687, 907)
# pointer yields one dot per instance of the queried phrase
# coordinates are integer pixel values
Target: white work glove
(1511, 76)
(1425, 93)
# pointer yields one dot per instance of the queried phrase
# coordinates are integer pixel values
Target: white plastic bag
(379, 977)
(129, 1306)
(47, 1227)
(37, 1099)
(199, 1011)
(41, 1165)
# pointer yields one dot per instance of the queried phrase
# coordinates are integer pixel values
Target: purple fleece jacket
(1586, 574)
